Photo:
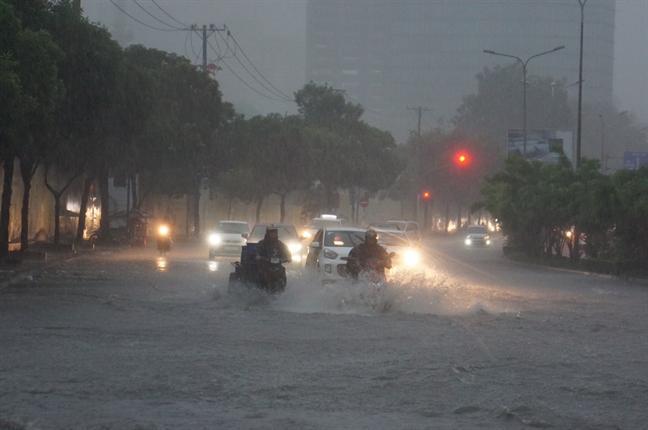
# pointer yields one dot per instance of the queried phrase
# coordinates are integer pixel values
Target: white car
(329, 246)
(410, 228)
(321, 222)
(228, 238)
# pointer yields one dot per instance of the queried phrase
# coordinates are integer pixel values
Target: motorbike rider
(269, 253)
(271, 247)
(368, 256)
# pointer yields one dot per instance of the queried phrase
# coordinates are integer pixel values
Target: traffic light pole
(419, 167)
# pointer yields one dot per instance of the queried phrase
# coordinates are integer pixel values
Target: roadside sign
(632, 160)
(364, 202)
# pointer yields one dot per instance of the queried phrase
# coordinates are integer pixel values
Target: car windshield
(397, 225)
(233, 227)
(395, 238)
(286, 233)
(477, 230)
(319, 223)
(344, 238)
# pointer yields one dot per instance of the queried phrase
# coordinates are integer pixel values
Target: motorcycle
(267, 274)
(372, 278)
(163, 239)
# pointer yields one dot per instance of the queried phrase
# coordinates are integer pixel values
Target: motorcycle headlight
(163, 230)
(331, 255)
(214, 239)
(410, 257)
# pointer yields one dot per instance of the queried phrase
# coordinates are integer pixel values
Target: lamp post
(580, 86)
(524, 64)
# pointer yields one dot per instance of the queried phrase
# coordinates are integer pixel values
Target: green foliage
(536, 203)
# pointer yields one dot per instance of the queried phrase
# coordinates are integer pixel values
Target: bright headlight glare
(294, 247)
(214, 239)
(163, 230)
(468, 241)
(411, 257)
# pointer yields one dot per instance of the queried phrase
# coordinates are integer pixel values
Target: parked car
(477, 235)
(329, 246)
(287, 234)
(320, 222)
(410, 228)
(227, 238)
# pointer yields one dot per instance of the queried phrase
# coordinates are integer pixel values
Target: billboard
(543, 145)
(632, 160)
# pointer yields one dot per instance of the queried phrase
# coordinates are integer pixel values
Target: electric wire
(282, 95)
(165, 12)
(143, 23)
(245, 83)
(154, 17)
(229, 34)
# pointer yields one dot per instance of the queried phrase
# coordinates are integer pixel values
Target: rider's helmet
(272, 233)
(371, 237)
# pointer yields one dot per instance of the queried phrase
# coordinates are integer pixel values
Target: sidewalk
(23, 266)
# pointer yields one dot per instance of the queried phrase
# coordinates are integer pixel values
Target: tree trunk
(104, 223)
(27, 171)
(229, 208)
(87, 183)
(282, 208)
(258, 209)
(57, 204)
(447, 217)
(133, 185)
(8, 165)
(196, 211)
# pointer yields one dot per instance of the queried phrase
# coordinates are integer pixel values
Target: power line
(245, 83)
(229, 34)
(254, 77)
(159, 7)
(143, 23)
(154, 17)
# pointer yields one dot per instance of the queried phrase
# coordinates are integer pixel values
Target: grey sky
(271, 34)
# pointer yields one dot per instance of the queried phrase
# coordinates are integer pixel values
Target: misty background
(271, 34)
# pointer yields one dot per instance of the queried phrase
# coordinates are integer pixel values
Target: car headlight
(295, 248)
(468, 241)
(331, 255)
(306, 235)
(410, 257)
(214, 239)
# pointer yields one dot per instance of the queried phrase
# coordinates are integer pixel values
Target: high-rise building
(394, 55)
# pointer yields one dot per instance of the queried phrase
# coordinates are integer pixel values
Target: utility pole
(204, 35)
(419, 167)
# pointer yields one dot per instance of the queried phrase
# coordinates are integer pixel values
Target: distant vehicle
(228, 237)
(477, 235)
(287, 234)
(320, 222)
(329, 249)
(410, 228)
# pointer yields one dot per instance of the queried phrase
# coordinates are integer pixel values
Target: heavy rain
(323, 214)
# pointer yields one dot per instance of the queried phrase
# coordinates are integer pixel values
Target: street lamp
(524, 64)
(580, 86)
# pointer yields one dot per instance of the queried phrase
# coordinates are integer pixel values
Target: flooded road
(133, 340)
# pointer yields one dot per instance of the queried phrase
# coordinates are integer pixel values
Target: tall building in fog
(394, 55)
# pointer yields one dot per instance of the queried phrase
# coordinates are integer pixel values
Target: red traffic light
(426, 195)
(462, 158)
